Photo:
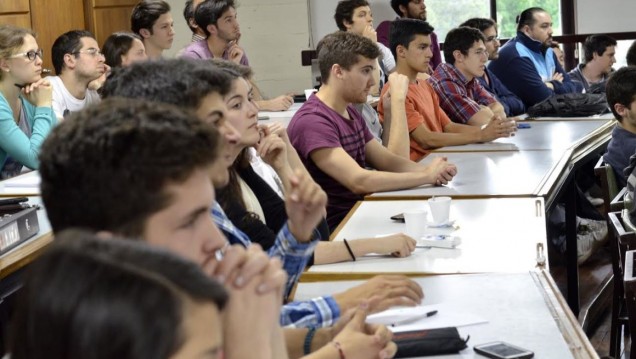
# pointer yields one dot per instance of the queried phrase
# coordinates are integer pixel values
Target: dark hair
(395, 5)
(462, 39)
(92, 298)
(596, 44)
(403, 31)
(631, 55)
(209, 12)
(479, 23)
(343, 48)
(527, 17)
(237, 70)
(344, 12)
(145, 14)
(106, 167)
(67, 43)
(188, 14)
(117, 45)
(621, 88)
(181, 82)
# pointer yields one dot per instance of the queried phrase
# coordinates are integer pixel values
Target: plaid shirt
(318, 312)
(460, 99)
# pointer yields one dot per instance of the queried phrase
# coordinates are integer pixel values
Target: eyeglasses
(31, 55)
(92, 51)
(481, 53)
(492, 38)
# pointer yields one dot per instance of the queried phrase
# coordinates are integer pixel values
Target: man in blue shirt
(527, 65)
(512, 104)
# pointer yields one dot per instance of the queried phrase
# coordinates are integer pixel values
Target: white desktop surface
(504, 173)
(512, 303)
(21, 185)
(498, 235)
(543, 135)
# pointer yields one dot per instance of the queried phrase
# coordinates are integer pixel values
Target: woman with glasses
(123, 49)
(26, 116)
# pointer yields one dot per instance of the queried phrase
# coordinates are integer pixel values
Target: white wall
(594, 16)
(273, 33)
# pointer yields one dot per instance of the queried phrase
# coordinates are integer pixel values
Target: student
(188, 15)
(511, 103)
(621, 97)
(525, 67)
(219, 22)
(152, 21)
(123, 48)
(461, 95)
(64, 313)
(356, 16)
(80, 69)
(335, 144)
(188, 83)
(170, 196)
(560, 56)
(26, 117)
(256, 209)
(599, 53)
(411, 9)
(428, 124)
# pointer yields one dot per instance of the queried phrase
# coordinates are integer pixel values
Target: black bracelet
(308, 338)
(349, 249)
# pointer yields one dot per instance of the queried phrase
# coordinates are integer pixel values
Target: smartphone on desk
(502, 350)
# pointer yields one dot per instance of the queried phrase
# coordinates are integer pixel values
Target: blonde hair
(11, 39)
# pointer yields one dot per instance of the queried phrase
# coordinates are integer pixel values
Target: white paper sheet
(447, 316)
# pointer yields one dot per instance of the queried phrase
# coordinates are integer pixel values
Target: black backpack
(570, 105)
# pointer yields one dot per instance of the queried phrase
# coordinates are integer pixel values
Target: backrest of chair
(629, 284)
(622, 239)
(607, 177)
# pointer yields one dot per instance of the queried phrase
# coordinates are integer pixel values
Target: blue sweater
(523, 66)
(511, 103)
(14, 142)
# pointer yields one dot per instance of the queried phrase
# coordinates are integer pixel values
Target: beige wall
(274, 32)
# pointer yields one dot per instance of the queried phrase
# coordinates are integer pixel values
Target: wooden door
(103, 17)
(15, 12)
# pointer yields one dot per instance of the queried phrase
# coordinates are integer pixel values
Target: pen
(414, 318)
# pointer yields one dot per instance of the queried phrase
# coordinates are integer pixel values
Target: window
(445, 15)
(508, 10)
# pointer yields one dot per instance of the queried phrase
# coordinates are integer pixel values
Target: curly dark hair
(106, 167)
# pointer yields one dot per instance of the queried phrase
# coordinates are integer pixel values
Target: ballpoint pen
(414, 318)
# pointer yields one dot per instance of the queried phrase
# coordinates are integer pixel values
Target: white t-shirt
(387, 58)
(63, 100)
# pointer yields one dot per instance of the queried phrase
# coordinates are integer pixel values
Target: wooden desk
(525, 309)
(8, 187)
(498, 235)
(486, 174)
(543, 135)
(26, 252)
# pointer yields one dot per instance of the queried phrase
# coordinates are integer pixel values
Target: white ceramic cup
(440, 209)
(415, 223)
(308, 93)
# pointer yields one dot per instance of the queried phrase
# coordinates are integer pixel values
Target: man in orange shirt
(429, 127)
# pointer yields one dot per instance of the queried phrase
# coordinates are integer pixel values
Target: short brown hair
(343, 48)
